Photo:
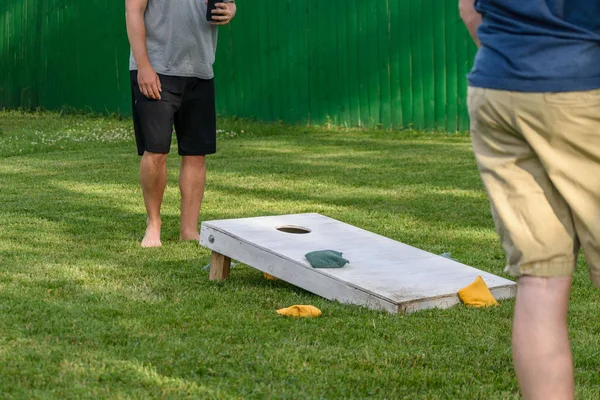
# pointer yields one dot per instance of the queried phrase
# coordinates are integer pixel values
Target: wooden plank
(220, 266)
(264, 56)
(372, 64)
(303, 56)
(292, 89)
(288, 270)
(395, 69)
(315, 102)
(353, 61)
(405, 62)
(241, 54)
(329, 39)
(226, 72)
(428, 55)
(384, 67)
(383, 273)
(342, 65)
(452, 26)
(275, 60)
(44, 79)
(362, 65)
(439, 55)
(320, 62)
(416, 33)
(250, 72)
(18, 53)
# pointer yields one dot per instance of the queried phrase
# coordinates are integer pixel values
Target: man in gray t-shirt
(173, 46)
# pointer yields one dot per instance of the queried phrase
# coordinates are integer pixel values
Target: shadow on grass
(92, 206)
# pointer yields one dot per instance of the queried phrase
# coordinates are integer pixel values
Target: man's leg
(570, 150)
(541, 347)
(537, 230)
(192, 181)
(195, 124)
(153, 125)
(153, 178)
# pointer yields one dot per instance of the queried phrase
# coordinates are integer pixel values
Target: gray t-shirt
(180, 41)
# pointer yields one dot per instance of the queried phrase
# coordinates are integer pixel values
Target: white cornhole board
(382, 273)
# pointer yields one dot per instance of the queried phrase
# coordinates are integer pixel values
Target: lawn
(85, 313)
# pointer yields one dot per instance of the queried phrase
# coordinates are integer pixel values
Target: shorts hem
(595, 277)
(548, 268)
(205, 153)
(153, 151)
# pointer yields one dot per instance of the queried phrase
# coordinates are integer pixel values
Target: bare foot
(189, 236)
(152, 236)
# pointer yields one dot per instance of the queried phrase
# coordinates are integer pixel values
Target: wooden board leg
(219, 267)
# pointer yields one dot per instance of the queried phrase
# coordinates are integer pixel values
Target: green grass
(85, 313)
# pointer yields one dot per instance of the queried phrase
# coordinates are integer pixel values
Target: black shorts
(186, 103)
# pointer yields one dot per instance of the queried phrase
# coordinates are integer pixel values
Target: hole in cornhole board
(297, 230)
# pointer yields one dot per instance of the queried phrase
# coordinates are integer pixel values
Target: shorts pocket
(573, 98)
(474, 96)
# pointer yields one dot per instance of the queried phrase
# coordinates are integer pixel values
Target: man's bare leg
(192, 180)
(541, 347)
(153, 178)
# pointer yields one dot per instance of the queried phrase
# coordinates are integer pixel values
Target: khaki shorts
(539, 159)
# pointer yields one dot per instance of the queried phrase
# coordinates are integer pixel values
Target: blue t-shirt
(538, 45)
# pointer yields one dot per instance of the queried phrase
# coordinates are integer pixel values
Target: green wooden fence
(387, 63)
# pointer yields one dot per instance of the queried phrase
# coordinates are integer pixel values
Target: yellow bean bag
(269, 277)
(477, 294)
(300, 311)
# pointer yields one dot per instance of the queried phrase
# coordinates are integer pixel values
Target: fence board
(389, 63)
